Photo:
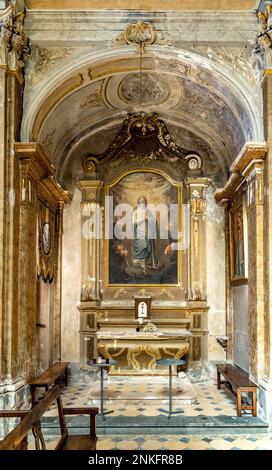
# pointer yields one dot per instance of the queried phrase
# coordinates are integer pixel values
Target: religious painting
(238, 243)
(142, 245)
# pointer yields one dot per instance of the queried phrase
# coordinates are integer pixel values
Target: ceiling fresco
(82, 112)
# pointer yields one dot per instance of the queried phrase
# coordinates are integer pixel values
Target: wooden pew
(31, 420)
(239, 382)
(16, 414)
(51, 376)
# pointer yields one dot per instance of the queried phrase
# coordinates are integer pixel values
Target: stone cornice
(35, 165)
(85, 27)
(252, 153)
(249, 152)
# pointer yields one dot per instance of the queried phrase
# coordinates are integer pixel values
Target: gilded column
(13, 52)
(91, 225)
(3, 189)
(197, 251)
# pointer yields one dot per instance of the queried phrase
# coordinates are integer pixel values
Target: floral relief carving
(241, 60)
(48, 141)
(46, 59)
(92, 100)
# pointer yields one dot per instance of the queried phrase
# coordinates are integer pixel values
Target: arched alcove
(81, 111)
(80, 108)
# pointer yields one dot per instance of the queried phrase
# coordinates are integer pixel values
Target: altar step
(157, 425)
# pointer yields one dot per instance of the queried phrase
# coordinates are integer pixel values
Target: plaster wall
(215, 252)
(240, 326)
(71, 263)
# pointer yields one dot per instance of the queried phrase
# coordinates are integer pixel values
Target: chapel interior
(109, 110)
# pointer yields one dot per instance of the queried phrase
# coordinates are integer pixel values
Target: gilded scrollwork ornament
(158, 144)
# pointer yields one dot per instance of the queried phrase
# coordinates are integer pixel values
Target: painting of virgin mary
(144, 257)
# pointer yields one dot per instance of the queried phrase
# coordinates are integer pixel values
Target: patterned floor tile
(210, 401)
(105, 444)
(127, 445)
(151, 444)
(230, 439)
(221, 444)
(197, 445)
(174, 445)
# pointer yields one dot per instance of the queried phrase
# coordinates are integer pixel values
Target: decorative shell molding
(140, 35)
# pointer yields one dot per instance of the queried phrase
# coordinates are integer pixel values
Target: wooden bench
(31, 420)
(51, 376)
(16, 414)
(238, 382)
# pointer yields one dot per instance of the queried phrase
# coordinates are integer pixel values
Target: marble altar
(136, 353)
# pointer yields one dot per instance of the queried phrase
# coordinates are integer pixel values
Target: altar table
(137, 353)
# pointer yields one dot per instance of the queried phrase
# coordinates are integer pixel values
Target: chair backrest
(32, 421)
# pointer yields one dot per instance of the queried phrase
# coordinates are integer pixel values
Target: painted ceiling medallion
(146, 89)
(152, 90)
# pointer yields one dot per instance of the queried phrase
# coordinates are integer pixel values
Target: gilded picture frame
(124, 247)
(238, 242)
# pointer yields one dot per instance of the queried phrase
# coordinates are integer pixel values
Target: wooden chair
(31, 420)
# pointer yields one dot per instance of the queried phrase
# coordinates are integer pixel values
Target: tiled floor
(137, 396)
(188, 442)
(209, 401)
(165, 442)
